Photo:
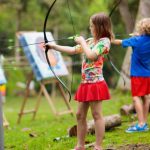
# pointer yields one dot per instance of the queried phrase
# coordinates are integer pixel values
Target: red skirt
(92, 92)
(140, 86)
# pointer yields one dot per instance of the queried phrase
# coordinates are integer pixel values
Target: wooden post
(48, 98)
(37, 104)
(25, 98)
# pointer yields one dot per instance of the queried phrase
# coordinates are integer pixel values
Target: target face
(52, 55)
(36, 55)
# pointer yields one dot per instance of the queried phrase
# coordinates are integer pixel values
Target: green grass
(46, 126)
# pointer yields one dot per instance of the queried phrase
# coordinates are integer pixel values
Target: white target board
(32, 44)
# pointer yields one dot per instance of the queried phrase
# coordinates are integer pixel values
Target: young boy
(139, 72)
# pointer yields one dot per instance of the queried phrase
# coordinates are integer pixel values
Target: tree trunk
(125, 72)
(110, 122)
(126, 16)
(143, 12)
(144, 9)
(18, 20)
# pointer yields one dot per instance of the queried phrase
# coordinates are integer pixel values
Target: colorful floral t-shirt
(92, 70)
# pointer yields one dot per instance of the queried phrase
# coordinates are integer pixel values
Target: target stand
(43, 91)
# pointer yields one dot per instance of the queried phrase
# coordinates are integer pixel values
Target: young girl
(93, 88)
(140, 72)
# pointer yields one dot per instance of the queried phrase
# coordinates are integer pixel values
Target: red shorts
(140, 86)
(92, 92)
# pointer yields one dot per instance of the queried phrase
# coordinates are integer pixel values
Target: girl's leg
(81, 123)
(146, 103)
(96, 109)
(139, 109)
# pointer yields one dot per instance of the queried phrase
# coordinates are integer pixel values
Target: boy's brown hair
(143, 26)
(103, 26)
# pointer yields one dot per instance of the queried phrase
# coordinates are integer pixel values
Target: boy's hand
(134, 34)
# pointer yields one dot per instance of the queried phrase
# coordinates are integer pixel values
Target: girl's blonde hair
(143, 26)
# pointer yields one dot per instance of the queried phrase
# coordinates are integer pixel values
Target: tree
(143, 12)
(127, 18)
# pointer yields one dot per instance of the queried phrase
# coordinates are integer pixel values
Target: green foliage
(47, 127)
(14, 75)
(97, 6)
(33, 18)
(32, 14)
(29, 16)
(76, 81)
(8, 23)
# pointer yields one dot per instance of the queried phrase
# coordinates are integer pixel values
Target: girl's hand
(49, 45)
(80, 40)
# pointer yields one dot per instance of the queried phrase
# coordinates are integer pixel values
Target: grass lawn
(39, 134)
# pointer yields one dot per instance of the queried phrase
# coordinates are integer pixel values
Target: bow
(46, 50)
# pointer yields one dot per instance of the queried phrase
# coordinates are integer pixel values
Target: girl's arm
(89, 54)
(116, 41)
(66, 49)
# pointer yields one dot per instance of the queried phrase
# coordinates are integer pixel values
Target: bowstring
(74, 30)
(71, 18)
(108, 56)
(30, 44)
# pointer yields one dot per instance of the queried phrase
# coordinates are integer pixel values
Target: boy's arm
(116, 41)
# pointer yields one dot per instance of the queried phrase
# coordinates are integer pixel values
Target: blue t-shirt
(140, 60)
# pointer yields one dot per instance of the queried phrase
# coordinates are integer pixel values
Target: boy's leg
(146, 105)
(139, 109)
(81, 123)
(96, 109)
